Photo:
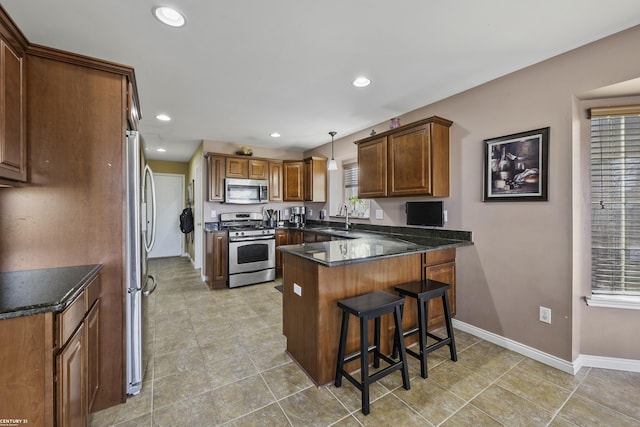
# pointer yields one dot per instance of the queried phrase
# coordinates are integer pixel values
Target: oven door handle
(251, 238)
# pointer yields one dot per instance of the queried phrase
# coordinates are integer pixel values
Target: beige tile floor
(219, 360)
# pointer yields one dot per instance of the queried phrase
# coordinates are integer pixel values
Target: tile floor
(219, 360)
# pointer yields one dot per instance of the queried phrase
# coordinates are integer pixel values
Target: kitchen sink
(341, 232)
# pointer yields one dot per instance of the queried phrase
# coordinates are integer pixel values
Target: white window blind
(615, 201)
(350, 175)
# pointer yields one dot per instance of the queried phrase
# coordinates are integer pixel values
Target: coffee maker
(297, 217)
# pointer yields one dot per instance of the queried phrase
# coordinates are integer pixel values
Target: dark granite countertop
(367, 244)
(28, 292)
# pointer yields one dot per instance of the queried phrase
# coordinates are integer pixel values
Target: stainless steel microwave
(246, 191)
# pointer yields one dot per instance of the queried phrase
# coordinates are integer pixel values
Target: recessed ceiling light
(275, 135)
(361, 82)
(161, 150)
(169, 16)
(163, 117)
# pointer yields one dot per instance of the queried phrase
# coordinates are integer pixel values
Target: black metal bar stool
(423, 291)
(367, 307)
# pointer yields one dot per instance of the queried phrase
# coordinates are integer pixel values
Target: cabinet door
(282, 238)
(217, 253)
(441, 266)
(237, 168)
(295, 237)
(315, 180)
(275, 181)
(292, 181)
(409, 162)
(13, 152)
(372, 168)
(72, 381)
(93, 353)
(216, 168)
(258, 169)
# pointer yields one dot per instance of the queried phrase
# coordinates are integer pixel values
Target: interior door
(197, 217)
(169, 202)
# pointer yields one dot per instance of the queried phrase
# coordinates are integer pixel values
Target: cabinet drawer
(91, 293)
(439, 257)
(70, 318)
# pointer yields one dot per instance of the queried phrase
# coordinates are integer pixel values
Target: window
(615, 200)
(357, 207)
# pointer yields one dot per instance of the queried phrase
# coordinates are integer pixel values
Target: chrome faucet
(346, 216)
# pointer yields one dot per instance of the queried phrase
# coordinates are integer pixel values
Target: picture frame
(516, 167)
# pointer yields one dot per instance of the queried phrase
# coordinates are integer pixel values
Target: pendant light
(332, 165)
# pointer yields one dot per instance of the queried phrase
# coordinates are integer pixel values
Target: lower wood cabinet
(441, 266)
(50, 363)
(282, 239)
(71, 379)
(216, 260)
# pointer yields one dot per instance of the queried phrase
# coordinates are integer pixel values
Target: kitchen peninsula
(317, 275)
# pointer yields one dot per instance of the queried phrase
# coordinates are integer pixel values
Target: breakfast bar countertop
(28, 292)
(366, 245)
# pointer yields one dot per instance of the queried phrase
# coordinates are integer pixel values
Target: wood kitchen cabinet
(237, 167)
(282, 239)
(441, 266)
(13, 143)
(372, 168)
(315, 179)
(216, 259)
(275, 181)
(77, 361)
(216, 174)
(292, 182)
(406, 161)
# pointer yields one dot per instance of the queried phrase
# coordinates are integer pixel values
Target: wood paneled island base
(311, 318)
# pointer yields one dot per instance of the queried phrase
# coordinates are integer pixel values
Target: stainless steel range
(252, 248)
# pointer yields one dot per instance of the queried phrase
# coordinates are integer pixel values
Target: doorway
(169, 205)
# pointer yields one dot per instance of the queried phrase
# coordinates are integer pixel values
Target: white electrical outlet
(310, 212)
(445, 216)
(214, 213)
(379, 214)
(545, 314)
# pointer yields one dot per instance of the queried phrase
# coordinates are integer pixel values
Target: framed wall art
(516, 167)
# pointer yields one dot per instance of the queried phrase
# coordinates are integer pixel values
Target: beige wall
(529, 254)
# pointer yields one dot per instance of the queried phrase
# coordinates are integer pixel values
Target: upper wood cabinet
(315, 179)
(372, 168)
(215, 172)
(275, 181)
(13, 144)
(406, 161)
(237, 167)
(293, 178)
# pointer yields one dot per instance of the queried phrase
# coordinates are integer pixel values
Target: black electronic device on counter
(428, 214)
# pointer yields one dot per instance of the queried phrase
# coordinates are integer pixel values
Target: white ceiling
(240, 70)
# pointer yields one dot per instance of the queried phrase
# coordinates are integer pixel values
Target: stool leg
(423, 312)
(341, 348)
(403, 354)
(364, 363)
(376, 343)
(394, 351)
(447, 318)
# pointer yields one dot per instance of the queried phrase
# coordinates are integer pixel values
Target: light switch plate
(214, 213)
(297, 289)
(379, 214)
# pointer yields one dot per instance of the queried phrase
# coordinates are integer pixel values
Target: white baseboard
(572, 368)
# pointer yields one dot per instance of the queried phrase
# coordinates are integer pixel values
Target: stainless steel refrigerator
(141, 215)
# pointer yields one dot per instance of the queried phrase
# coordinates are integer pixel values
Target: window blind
(350, 175)
(615, 203)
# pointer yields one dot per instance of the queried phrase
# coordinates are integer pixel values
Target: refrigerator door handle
(153, 288)
(147, 172)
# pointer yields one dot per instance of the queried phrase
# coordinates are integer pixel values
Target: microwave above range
(246, 191)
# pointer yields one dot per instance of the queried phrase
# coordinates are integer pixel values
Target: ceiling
(240, 70)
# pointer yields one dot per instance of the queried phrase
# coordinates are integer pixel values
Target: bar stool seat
(366, 307)
(424, 291)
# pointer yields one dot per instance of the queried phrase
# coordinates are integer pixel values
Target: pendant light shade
(332, 165)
